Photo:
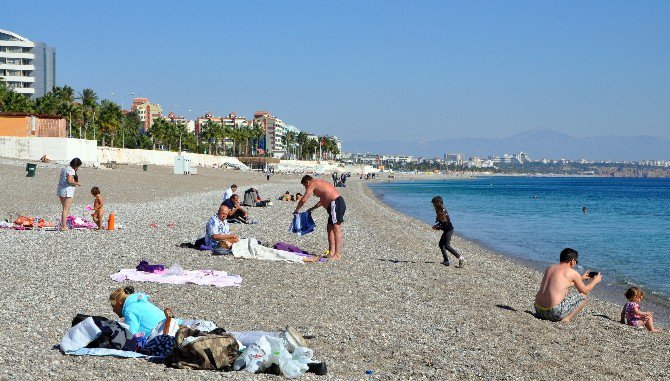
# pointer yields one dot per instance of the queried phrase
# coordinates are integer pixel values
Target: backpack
(250, 196)
(215, 350)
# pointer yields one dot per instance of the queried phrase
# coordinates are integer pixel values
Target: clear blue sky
(374, 69)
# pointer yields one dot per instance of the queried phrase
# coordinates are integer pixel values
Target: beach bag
(194, 349)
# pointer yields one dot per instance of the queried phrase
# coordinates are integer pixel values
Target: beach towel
(250, 249)
(285, 246)
(199, 277)
(302, 224)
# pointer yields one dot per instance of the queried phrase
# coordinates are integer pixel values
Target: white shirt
(227, 194)
(64, 188)
(215, 226)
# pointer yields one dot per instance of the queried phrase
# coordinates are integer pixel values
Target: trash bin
(31, 168)
(144, 167)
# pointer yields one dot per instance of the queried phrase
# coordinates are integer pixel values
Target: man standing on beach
(553, 301)
(334, 204)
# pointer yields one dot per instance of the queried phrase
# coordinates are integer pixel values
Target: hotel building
(27, 67)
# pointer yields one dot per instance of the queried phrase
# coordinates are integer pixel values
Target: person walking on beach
(67, 182)
(553, 301)
(443, 222)
(334, 204)
(632, 315)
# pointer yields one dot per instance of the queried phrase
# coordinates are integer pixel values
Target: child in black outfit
(443, 222)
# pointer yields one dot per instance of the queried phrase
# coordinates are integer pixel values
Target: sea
(619, 226)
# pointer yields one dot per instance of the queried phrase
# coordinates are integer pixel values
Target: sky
(373, 70)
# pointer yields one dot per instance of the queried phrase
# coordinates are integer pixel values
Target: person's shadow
(606, 317)
(401, 261)
(508, 308)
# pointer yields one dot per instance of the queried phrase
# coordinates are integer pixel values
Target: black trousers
(445, 245)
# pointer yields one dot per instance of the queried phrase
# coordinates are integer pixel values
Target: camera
(593, 274)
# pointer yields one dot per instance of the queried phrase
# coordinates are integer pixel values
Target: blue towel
(302, 224)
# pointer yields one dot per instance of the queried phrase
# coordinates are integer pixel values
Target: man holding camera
(553, 301)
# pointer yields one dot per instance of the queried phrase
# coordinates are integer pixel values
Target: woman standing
(443, 222)
(67, 182)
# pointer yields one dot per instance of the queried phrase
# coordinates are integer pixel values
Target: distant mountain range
(537, 143)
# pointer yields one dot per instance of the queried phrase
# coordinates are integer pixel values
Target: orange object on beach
(110, 222)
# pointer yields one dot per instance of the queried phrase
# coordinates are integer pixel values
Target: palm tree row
(105, 121)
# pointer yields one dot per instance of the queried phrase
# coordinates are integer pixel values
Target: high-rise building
(454, 158)
(27, 67)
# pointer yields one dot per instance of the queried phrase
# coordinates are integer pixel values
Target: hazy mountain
(537, 143)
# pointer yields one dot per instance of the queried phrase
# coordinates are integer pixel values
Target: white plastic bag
(291, 365)
(175, 270)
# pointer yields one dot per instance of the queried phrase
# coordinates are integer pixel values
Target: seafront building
(275, 130)
(27, 67)
(147, 111)
(175, 119)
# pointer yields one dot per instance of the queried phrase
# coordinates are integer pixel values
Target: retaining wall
(56, 149)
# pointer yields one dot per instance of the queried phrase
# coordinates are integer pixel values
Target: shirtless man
(553, 302)
(334, 204)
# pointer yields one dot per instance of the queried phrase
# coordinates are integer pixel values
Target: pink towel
(199, 277)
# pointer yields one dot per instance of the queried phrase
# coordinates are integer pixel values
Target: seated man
(553, 302)
(217, 232)
(236, 212)
(229, 192)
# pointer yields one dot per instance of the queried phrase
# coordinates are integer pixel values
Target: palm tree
(256, 134)
(302, 142)
(290, 138)
(209, 133)
(89, 102)
(15, 102)
(109, 119)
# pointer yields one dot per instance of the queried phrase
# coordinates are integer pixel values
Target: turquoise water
(625, 232)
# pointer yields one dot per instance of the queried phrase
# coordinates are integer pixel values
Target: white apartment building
(27, 67)
(275, 129)
(454, 158)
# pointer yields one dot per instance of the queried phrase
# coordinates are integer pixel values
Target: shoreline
(609, 292)
(388, 306)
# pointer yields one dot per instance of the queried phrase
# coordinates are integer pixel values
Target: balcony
(16, 78)
(17, 55)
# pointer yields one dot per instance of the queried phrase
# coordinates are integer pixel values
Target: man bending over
(334, 204)
(553, 302)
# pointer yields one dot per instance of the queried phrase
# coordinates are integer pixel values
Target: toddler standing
(631, 313)
(97, 207)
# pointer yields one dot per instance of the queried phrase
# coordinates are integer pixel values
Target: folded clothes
(146, 267)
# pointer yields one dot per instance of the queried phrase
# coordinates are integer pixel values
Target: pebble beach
(388, 310)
